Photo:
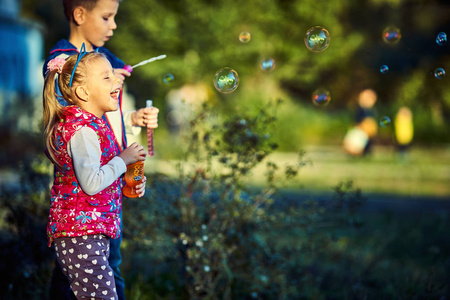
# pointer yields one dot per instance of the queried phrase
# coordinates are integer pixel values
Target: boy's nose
(113, 25)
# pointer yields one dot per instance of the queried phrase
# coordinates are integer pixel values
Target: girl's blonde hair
(53, 110)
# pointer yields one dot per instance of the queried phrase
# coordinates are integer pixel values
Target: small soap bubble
(317, 39)
(168, 78)
(244, 37)
(439, 73)
(226, 80)
(268, 64)
(441, 38)
(384, 69)
(321, 97)
(385, 121)
(206, 268)
(391, 35)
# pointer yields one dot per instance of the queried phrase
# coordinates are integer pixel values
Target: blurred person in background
(359, 140)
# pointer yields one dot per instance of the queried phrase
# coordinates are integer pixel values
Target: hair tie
(57, 64)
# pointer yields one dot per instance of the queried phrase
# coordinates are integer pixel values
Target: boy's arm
(86, 153)
(130, 128)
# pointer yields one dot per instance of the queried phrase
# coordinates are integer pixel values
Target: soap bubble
(321, 97)
(391, 35)
(226, 80)
(439, 73)
(384, 69)
(245, 37)
(317, 39)
(268, 64)
(385, 121)
(168, 78)
(441, 38)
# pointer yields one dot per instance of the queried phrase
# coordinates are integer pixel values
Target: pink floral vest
(73, 212)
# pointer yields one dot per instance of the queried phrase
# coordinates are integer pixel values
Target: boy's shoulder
(64, 49)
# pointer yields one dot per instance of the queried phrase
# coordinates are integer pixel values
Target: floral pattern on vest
(73, 212)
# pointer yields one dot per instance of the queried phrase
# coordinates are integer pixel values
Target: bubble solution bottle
(133, 176)
(135, 171)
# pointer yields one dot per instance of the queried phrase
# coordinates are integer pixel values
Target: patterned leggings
(84, 260)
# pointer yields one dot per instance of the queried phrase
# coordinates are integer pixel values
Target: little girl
(86, 193)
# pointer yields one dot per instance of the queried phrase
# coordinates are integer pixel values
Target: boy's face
(99, 23)
(103, 87)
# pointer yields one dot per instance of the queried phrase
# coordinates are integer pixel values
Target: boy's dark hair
(70, 5)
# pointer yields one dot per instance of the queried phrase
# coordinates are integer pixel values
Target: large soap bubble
(317, 39)
(226, 80)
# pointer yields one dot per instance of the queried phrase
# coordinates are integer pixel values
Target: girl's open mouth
(115, 94)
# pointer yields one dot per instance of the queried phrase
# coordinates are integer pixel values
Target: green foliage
(199, 38)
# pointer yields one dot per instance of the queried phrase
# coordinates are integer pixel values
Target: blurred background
(364, 97)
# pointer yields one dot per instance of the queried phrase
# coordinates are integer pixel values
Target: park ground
(423, 172)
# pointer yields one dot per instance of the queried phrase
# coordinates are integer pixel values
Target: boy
(92, 22)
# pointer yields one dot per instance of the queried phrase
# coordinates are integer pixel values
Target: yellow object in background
(404, 128)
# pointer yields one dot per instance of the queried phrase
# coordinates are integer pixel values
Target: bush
(207, 235)
(26, 260)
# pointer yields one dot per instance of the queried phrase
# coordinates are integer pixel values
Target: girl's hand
(133, 153)
(140, 188)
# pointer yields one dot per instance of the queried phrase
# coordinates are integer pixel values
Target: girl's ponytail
(52, 112)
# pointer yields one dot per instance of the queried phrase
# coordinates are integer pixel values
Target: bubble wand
(144, 62)
(150, 134)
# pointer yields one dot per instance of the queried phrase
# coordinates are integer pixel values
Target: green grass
(423, 172)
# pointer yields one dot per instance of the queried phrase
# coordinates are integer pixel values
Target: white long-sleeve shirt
(84, 148)
(115, 120)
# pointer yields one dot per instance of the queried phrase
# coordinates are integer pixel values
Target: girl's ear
(82, 93)
(79, 15)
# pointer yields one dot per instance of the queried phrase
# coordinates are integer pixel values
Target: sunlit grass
(422, 172)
